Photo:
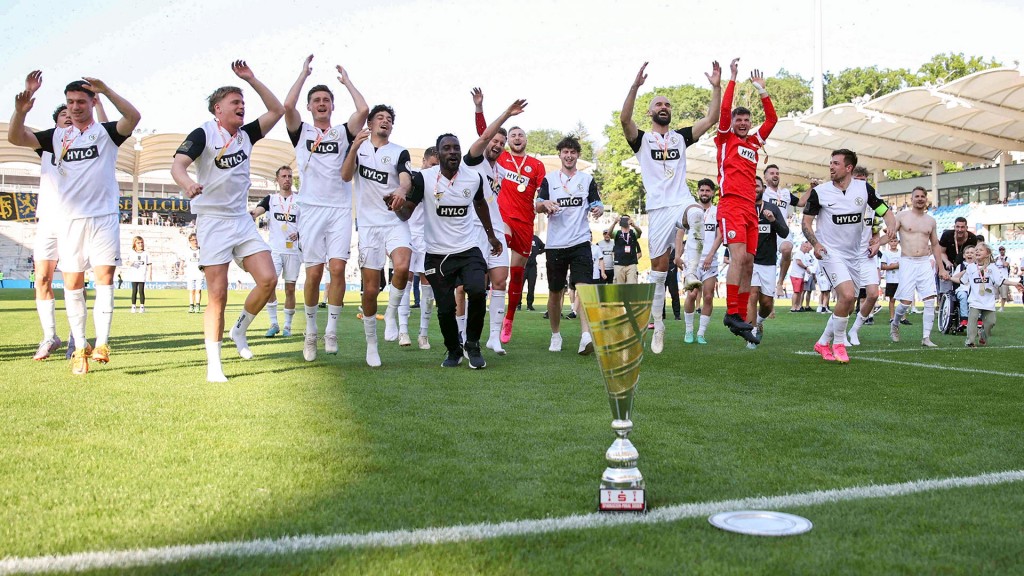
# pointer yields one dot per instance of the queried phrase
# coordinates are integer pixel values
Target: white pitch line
(858, 350)
(120, 559)
(938, 366)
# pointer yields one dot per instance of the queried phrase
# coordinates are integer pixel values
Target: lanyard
(518, 165)
(662, 142)
(65, 144)
(227, 140)
(316, 144)
(565, 183)
(451, 183)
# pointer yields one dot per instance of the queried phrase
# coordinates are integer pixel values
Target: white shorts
(286, 265)
(834, 270)
(90, 242)
(376, 243)
(419, 254)
(194, 284)
(45, 247)
(869, 272)
(325, 233)
(916, 275)
(662, 224)
(499, 261)
(764, 277)
(227, 238)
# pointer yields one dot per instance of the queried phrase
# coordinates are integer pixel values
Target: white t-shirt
(663, 166)
(448, 211)
(608, 251)
(136, 266)
(192, 271)
(493, 175)
(568, 226)
(839, 221)
(222, 167)
(282, 218)
(376, 176)
(319, 155)
(84, 163)
(982, 287)
(890, 258)
(598, 255)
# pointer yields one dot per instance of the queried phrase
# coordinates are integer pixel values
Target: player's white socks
(704, 321)
(901, 311)
(404, 311)
(370, 330)
(928, 318)
(461, 321)
(826, 336)
(496, 310)
(103, 313)
(391, 313)
(658, 306)
(688, 319)
(47, 310)
(858, 323)
(272, 310)
(74, 303)
(214, 371)
(839, 324)
(310, 319)
(289, 313)
(761, 319)
(333, 312)
(238, 334)
(426, 307)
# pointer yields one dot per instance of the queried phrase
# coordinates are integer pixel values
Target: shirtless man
(919, 242)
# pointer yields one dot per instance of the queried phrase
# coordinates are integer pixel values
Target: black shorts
(575, 261)
(890, 289)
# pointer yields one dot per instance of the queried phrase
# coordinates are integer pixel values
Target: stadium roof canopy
(973, 120)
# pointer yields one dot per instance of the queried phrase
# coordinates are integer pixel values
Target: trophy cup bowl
(618, 315)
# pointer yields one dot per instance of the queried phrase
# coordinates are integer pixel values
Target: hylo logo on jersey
(452, 211)
(375, 175)
(79, 154)
(517, 178)
(981, 280)
(322, 147)
(846, 218)
(228, 162)
(670, 154)
(764, 228)
(495, 185)
(747, 153)
(710, 227)
(570, 202)
(284, 217)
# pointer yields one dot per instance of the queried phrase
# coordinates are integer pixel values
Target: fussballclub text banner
(21, 206)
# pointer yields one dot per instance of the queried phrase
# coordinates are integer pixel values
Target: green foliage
(545, 141)
(872, 82)
(948, 67)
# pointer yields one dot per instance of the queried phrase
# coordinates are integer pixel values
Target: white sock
(370, 328)
(289, 313)
(404, 311)
(496, 310)
(310, 319)
(272, 310)
(858, 323)
(901, 311)
(47, 310)
(688, 319)
(214, 370)
(426, 307)
(826, 336)
(103, 313)
(238, 334)
(74, 303)
(928, 318)
(461, 321)
(704, 321)
(333, 312)
(839, 324)
(761, 319)
(658, 305)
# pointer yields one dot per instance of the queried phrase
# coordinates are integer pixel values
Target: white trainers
(894, 331)
(927, 343)
(331, 342)
(852, 338)
(404, 340)
(494, 344)
(309, 346)
(390, 324)
(47, 347)
(586, 345)
(372, 356)
(142, 309)
(133, 308)
(556, 343)
(658, 341)
(424, 343)
(241, 343)
(216, 376)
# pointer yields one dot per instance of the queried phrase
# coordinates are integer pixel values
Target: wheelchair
(949, 313)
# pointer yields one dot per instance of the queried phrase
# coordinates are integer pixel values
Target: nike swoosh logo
(831, 205)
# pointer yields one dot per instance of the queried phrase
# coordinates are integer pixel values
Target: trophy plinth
(618, 315)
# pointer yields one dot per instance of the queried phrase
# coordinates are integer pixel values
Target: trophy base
(616, 500)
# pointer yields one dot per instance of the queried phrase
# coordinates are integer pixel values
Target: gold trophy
(618, 315)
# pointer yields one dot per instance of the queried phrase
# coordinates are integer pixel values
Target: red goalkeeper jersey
(737, 157)
(520, 177)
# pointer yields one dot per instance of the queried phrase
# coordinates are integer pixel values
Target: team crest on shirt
(465, 192)
(528, 169)
(438, 195)
(92, 137)
(731, 234)
(859, 201)
(386, 160)
(333, 133)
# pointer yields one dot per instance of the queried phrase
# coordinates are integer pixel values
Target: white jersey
(136, 265)
(376, 176)
(84, 163)
(608, 250)
(448, 211)
(982, 286)
(318, 155)
(222, 167)
(282, 218)
(568, 226)
(47, 200)
(710, 229)
(810, 263)
(598, 257)
(493, 175)
(192, 271)
(890, 258)
(782, 198)
(663, 166)
(840, 217)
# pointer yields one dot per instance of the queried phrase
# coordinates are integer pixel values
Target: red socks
(743, 301)
(516, 277)
(732, 299)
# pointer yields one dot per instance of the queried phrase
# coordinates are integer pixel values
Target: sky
(572, 60)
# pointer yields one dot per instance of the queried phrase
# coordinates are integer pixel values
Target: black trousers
(672, 289)
(445, 272)
(531, 284)
(139, 289)
(609, 275)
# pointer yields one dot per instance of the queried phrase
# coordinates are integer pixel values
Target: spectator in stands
(626, 250)
(1, 278)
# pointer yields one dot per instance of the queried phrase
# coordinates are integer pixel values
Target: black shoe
(571, 316)
(453, 359)
(476, 359)
(749, 336)
(678, 318)
(414, 306)
(869, 322)
(545, 315)
(531, 308)
(322, 305)
(906, 322)
(520, 307)
(737, 325)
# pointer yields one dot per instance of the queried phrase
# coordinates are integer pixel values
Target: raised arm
(715, 108)
(129, 115)
(770, 117)
(274, 107)
(358, 117)
(478, 116)
(514, 109)
(629, 128)
(17, 133)
(348, 166)
(725, 115)
(292, 118)
(101, 112)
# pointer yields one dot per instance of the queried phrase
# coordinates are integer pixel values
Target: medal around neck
(618, 315)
